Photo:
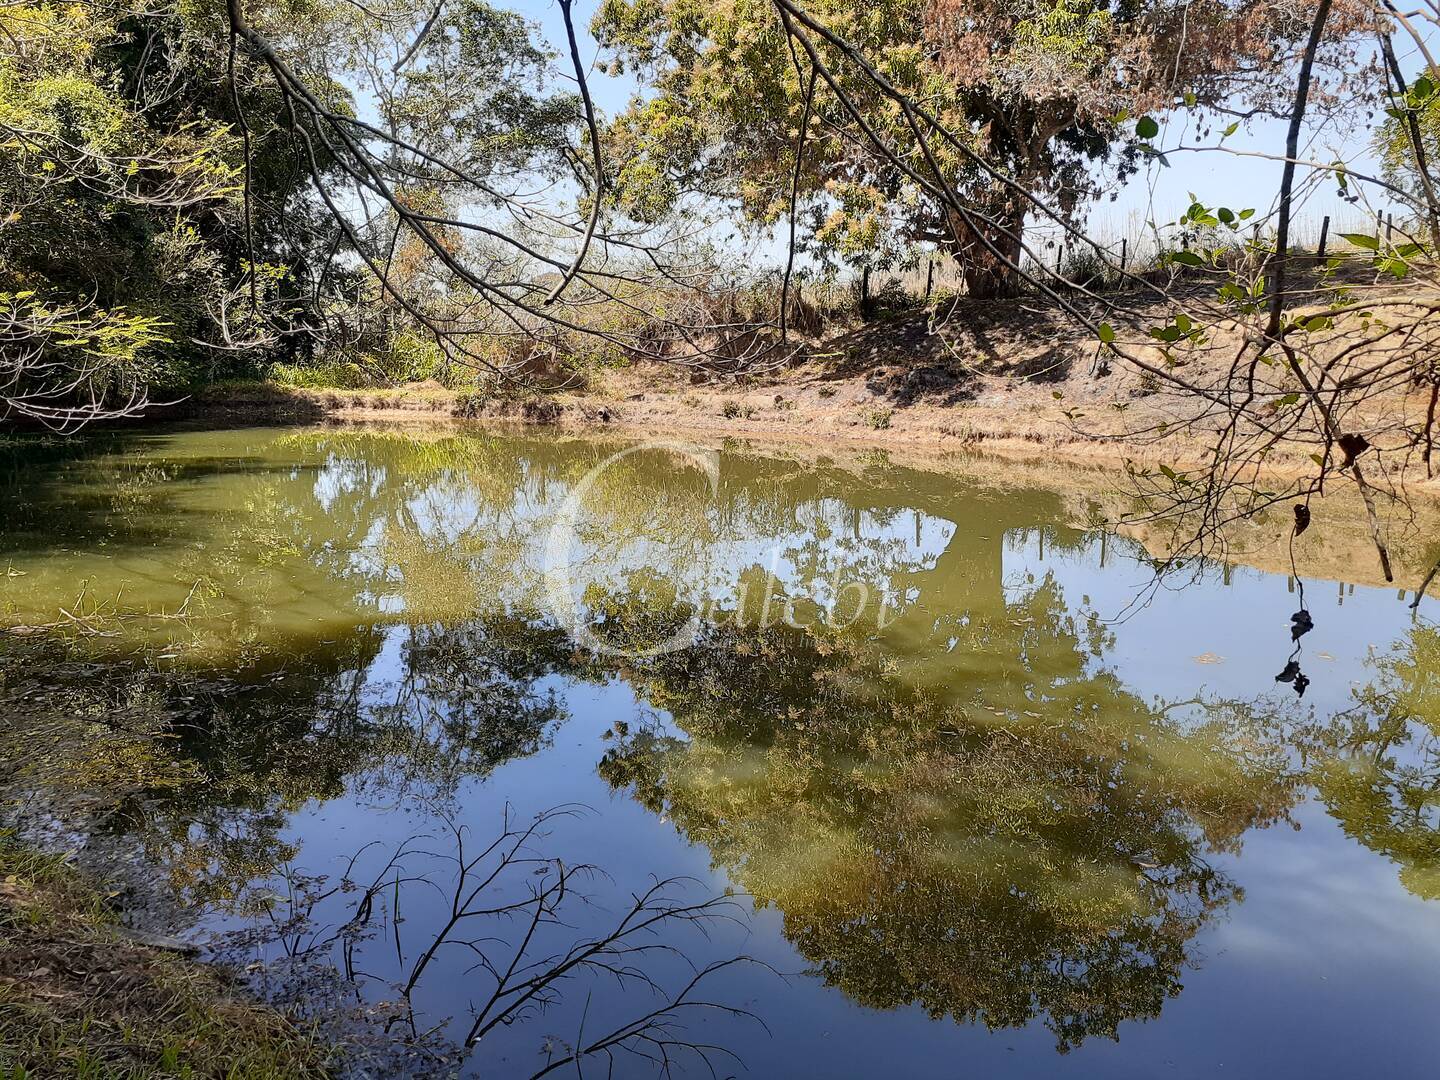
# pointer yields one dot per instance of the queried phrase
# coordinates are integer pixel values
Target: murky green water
(971, 823)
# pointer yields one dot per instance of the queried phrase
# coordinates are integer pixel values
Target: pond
(768, 762)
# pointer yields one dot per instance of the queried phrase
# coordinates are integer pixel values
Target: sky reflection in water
(987, 830)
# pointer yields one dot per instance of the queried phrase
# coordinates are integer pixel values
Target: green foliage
(123, 189)
(1392, 141)
(476, 94)
(398, 358)
(113, 338)
(1036, 89)
(123, 235)
(322, 375)
(727, 106)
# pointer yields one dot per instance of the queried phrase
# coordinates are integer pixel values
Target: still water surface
(843, 770)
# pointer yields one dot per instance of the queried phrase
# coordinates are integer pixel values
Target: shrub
(327, 375)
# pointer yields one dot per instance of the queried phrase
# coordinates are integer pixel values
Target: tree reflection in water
(315, 723)
(211, 805)
(506, 912)
(1376, 767)
(995, 850)
(960, 805)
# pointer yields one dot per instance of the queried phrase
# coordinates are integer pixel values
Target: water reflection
(901, 728)
(298, 528)
(1376, 766)
(1034, 847)
(507, 911)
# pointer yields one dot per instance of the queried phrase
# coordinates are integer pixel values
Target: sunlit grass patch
(80, 998)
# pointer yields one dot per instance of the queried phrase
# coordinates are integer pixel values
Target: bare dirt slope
(1010, 377)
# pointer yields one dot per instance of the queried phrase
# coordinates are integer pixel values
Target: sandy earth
(1010, 377)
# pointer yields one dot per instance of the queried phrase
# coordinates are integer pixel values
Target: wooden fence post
(1124, 253)
(1324, 235)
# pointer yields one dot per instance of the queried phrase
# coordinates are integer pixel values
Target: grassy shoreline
(748, 413)
(82, 996)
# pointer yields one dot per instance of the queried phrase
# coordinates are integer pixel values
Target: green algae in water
(968, 813)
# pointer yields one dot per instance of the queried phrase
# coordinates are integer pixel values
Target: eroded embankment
(1004, 377)
(1011, 423)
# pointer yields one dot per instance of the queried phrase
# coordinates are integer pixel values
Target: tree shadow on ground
(914, 357)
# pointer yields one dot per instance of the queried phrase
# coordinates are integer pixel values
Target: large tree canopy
(170, 215)
(130, 256)
(1016, 98)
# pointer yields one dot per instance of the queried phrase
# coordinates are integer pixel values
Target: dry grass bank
(1012, 421)
(81, 996)
(1007, 377)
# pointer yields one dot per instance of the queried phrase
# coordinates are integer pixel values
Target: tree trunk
(989, 252)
